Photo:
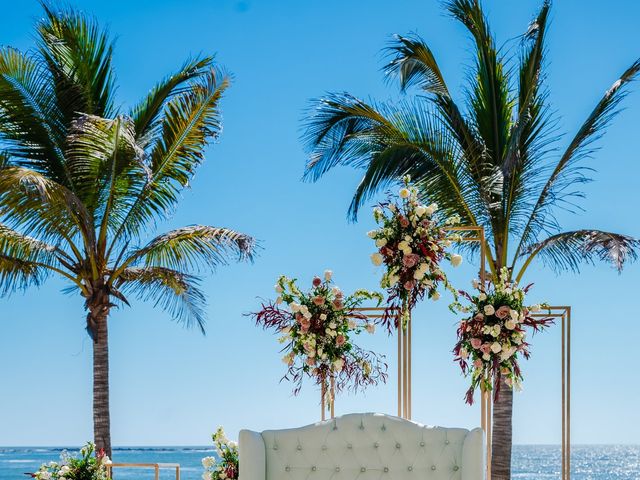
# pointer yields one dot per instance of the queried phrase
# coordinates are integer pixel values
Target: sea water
(530, 462)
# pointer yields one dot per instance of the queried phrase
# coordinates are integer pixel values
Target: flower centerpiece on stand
(90, 465)
(317, 328)
(494, 335)
(412, 241)
(226, 465)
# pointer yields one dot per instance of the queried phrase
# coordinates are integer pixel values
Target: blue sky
(171, 386)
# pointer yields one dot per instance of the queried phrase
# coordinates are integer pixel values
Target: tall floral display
(317, 329)
(412, 241)
(493, 337)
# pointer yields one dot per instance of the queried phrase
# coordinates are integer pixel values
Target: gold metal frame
(155, 466)
(564, 314)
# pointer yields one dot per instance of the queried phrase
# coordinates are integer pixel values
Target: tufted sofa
(363, 447)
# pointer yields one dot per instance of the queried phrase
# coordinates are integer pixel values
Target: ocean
(530, 462)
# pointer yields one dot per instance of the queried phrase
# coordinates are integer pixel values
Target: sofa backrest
(372, 446)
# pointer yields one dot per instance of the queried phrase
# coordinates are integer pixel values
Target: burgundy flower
(409, 285)
(403, 221)
(317, 281)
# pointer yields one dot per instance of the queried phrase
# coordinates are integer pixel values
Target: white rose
(394, 279)
(421, 210)
(327, 275)
(372, 233)
(370, 327)
(435, 296)
(486, 357)
(430, 210)
(489, 310)
(352, 324)
(338, 365)
(496, 347)
(514, 315)
(404, 193)
(381, 242)
(456, 260)
(482, 297)
(510, 324)
(377, 259)
(323, 316)
(534, 308)
(475, 283)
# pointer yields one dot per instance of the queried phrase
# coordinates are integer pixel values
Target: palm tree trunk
(502, 433)
(101, 417)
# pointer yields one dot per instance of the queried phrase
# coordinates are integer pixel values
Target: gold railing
(155, 466)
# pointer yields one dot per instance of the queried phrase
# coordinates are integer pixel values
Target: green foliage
(490, 159)
(83, 184)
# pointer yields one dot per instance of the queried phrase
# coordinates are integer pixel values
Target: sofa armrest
(473, 456)
(251, 456)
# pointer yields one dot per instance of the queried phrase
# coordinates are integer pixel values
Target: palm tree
(82, 182)
(494, 160)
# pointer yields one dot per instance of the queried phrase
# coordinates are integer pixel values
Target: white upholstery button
(446, 442)
(349, 446)
(337, 469)
(362, 469)
(386, 469)
(275, 447)
(287, 468)
(361, 427)
(397, 445)
(456, 468)
(313, 469)
(376, 445)
(433, 467)
(299, 447)
(410, 468)
(422, 444)
(324, 447)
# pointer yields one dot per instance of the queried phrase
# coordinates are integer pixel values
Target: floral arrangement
(317, 329)
(412, 242)
(226, 466)
(492, 338)
(86, 467)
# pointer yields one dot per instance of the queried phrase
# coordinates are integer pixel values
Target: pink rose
(409, 285)
(318, 300)
(304, 325)
(503, 312)
(485, 348)
(311, 361)
(317, 281)
(479, 317)
(477, 363)
(340, 340)
(337, 303)
(403, 221)
(410, 260)
(299, 317)
(476, 342)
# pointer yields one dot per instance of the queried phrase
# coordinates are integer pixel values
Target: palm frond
(40, 207)
(567, 173)
(193, 248)
(107, 166)
(413, 63)
(17, 274)
(146, 115)
(190, 121)
(31, 127)
(567, 250)
(78, 53)
(175, 292)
